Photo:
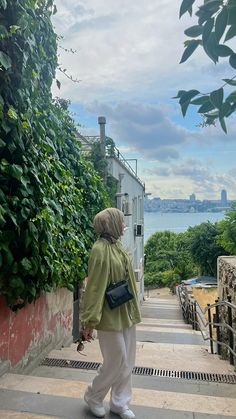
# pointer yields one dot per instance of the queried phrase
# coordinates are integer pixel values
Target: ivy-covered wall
(48, 192)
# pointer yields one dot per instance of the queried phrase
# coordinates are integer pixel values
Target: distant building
(224, 197)
(192, 197)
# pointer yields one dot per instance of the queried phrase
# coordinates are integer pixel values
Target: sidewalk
(165, 342)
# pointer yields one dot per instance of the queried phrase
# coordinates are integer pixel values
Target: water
(176, 222)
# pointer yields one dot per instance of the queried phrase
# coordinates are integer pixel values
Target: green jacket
(108, 263)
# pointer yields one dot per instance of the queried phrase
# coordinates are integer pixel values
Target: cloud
(143, 127)
(124, 48)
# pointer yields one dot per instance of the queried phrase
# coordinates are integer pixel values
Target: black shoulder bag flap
(117, 294)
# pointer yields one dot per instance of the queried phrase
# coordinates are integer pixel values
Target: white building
(129, 198)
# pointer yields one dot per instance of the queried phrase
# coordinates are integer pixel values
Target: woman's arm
(98, 278)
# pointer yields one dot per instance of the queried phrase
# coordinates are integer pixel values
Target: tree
(227, 231)
(204, 247)
(216, 26)
(168, 259)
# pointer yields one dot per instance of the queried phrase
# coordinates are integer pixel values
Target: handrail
(194, 314)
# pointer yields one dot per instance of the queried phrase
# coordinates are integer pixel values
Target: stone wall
(227, 287)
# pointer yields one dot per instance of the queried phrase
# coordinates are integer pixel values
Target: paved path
(164, 342)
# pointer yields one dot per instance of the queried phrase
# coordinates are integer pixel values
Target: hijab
(108, 224)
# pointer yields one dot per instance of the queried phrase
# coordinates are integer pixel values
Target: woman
(108, 263)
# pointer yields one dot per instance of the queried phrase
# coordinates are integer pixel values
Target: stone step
(181, 402)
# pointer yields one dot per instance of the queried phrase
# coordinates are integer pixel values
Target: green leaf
(232, 60)
(186, 6)
(179, 94)
(207, 29)
(25, 212)
(200, 100)
(232, 97)
(211, 6)
(221, 23)
(210, 47)
(231, 33)
(3, 4)
(5, 60)
(185, 100)
(232, 14)
(225, 110)
(16, 171)
(26, 264)
(58, 84)
(223, 125)
(230, 82)
(223, 51)
(206, 107)
(217, 97)
(194, 31)
(193, 44)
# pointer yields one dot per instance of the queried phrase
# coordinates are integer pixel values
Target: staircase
(175, 377)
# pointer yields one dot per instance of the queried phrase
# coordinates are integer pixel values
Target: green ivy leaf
(16, 171)
(232, 60)
(186, 6)
(217, 97)
(26, 264)
(192, 45)
(5, 60)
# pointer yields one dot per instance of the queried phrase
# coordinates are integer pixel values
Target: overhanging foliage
(48, 192)
(216, 26)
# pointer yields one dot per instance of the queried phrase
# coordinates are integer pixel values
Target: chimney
(102, 123)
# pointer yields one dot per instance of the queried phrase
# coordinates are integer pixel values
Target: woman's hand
(88, 334)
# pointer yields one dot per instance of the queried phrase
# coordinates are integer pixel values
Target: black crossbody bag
(118, 293)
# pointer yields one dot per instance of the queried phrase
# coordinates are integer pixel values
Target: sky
(126, 57)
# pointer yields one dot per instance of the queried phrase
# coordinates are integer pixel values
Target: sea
(176, 222)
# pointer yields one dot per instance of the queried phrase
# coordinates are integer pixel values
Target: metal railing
(195, 315)
(112, 151)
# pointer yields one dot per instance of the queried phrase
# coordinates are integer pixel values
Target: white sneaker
(125, 414)
(96, 409)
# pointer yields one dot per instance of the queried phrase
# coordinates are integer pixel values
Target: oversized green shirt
(107, 263)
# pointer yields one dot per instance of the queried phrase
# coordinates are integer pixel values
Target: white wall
(130, 185)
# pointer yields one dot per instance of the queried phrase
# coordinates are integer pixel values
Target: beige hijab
(108, 223)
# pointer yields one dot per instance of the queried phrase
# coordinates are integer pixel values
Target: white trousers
(118, 351)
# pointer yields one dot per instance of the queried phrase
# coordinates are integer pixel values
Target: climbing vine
(48, 192)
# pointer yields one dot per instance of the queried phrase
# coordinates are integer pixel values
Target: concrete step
(44, 395)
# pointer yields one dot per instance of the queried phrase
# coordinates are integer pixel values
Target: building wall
(134, 200)
(25, 333)
(227, 286)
